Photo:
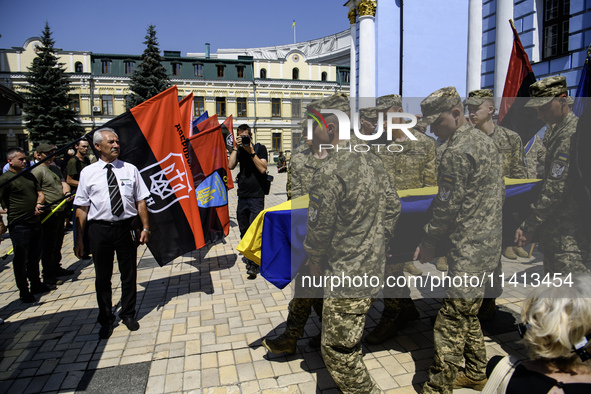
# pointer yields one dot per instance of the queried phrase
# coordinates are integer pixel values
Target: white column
(503, 44)
(474, 66)
(367, 56)
(353, 66)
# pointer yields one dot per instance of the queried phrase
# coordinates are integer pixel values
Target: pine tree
(150, 77)
(48, 115)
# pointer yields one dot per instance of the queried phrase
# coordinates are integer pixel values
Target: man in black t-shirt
(251, 179)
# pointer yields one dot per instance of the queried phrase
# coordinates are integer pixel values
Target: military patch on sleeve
(445, 187)
(315, 200)
(559, 165)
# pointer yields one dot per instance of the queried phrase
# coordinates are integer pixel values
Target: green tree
(48, 115)
(150, 77)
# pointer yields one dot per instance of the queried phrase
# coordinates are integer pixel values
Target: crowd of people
(353, 210)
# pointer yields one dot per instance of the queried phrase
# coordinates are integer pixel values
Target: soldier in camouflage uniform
(555, 215)
(467, 212)
(481, 108)
(534, 158)
(412, 168)
(304, 162)
(352, 214)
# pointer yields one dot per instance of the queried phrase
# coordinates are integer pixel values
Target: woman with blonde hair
(556, 331)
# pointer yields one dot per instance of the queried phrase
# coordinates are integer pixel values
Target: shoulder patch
(313, 206)
(446, 184)
(559, 166)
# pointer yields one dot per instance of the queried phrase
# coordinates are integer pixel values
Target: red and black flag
(186, 111)
(151, 137)
(212, 180)
(206, 124)
(228, 133)
(512, 113)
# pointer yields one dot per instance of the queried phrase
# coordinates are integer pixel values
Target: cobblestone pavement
(202, 323)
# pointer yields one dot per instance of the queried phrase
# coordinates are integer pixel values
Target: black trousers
(27, 240)
(53, 239)
(105, 240)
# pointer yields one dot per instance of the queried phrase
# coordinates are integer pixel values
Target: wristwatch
(252, 154)
(148, 231)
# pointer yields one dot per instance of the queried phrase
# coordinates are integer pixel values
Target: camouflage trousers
(343, 321)
(395, 298)
(299, 312)
(565, 250)
(457, 338)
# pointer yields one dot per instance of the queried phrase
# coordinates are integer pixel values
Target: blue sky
(435, 30)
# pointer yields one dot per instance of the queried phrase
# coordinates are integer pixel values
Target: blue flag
(582, 94)
(200, 119)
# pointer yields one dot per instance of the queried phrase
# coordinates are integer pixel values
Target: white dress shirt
(93, 190)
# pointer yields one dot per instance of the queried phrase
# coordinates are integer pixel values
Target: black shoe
(130, 323)
(64, 272)
(27, 297)
(40, 288)
(106, 331)
(53, 283)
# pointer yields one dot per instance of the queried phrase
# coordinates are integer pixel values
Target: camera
(245, 140)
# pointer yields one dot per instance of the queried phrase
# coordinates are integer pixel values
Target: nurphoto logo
(395, 120)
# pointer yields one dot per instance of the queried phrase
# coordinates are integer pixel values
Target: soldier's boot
(252, 269)
(408, 312)
(463, 381)
(385, 330)
(412, 269)
(441, 264)
(315, 341)
(488, 309)
(509, 253)
(281, 344)
(520, 252)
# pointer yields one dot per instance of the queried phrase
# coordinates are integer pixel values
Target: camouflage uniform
(534, 154)
(468, 212)
(352, 213)
(555, 214)
(412, 168)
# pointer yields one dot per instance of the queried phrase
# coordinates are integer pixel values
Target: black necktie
(114, 194)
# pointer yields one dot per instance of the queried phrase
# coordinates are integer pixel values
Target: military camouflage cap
(437, 103)
(543, 91)
(338, 101)
(477, 97)
(368, 113)
(386, 102)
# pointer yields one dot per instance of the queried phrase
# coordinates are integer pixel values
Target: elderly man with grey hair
(110, 195)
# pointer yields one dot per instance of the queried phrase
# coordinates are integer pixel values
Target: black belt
(120, 223)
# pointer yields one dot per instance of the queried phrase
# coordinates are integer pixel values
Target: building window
(106, 66)
(556, 27)
(296, 108)
(296, 139)
(276, 107)
(221, 71)
(18, 109)
(263, 73)
(220, 106)
(324, 76)
(295, 73)
(240, 71)
(23, 142)
(241, 106)
(176, 69)
(344, 74)
(75, 102)
(276, 141)
(107, 104)
(199, 106)
(198, 70)
(128, 66)
(78, 67)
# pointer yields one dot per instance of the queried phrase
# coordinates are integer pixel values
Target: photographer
(251, 181)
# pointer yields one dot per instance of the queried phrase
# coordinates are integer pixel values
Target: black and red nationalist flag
(212, 180)
(228, 133)
(206, 124)
(186, 111)
(512, 113)
(151, 137)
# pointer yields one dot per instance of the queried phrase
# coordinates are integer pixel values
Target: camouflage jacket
(534, 157)
(553, 204)
(509, 143)
(468, 206)
(301, 170)
(414, 167)
(352, 214)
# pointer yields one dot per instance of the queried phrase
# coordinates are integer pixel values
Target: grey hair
(97, 137)
(13, 151)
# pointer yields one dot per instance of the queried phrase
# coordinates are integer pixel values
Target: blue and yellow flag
(275, 239)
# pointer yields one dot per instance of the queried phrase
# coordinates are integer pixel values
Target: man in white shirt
(110, 194)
